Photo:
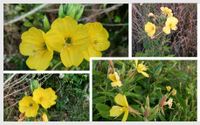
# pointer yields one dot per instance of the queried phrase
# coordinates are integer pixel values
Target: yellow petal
(33, 36)
(52, 95)
(37, 93)
(174, 92)
(117, 83)
(44, 117)
(71, 56)
(98, 27)
(116, 111)
(125, 117)
(145, 74)
(114, 77)
(66, 26)
(150, 29)
(121, 100)
(168, 88)
(91, 52)
(45, 97)
(166, 30)
(54, 40)
(101, 45)
(24, 106)
(28, 49)
(32, 40)
(174, 28)
(99, 38)
(40, 60)
(82, 39)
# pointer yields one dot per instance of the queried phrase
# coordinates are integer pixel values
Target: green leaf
(134, 95)
(61, 11)
(27, 24)
(46, 23)
(73, 10)
(117, 19)
(103, 110)
(34, 85)
(99, 99)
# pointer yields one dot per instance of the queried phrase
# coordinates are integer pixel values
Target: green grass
(180, 75)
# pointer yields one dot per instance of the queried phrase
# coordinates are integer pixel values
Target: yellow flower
(45, 97)
(33, 45)
(44, 117)
(166, 11)
(114, 77)
(98, 40)
(174, 92)
(168, 88)
(141, 68)
(28, 106)
(116, 111)
(70, 39)
(170, 24)
(150, 29)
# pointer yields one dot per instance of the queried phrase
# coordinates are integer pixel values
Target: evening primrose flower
(68, 38)
(45, 97)
(168, 88)
(98, 40)
(141, 68)
(34, 45)
(150, 29)
(170, 24)
(174, 92)
(116, 110)
(114, 77)
(166, 11)
(28, 106)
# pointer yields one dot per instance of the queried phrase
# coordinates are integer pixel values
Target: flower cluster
(75, 42)
(169, 24)
(172, 91)
(121, 99)
(29, 105)
(114, 77)
(139, 68)
(166, 99)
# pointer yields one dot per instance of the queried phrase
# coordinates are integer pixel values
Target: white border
(91, 91)
(100, 1)
(143, 58)
(1, 62)
(130, 30)
(198, 63)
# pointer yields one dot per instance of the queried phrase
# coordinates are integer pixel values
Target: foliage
(72, 102)
(147, 95)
